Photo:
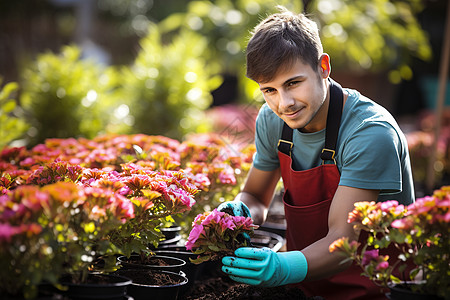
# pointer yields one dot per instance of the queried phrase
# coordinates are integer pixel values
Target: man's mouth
(292, 115)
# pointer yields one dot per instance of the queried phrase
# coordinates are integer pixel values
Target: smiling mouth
(293, 114)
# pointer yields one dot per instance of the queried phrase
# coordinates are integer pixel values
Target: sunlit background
(83, 68)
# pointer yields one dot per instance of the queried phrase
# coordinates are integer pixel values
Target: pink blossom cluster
(376, 213)
(430, 213)
(419, 232)
(373, 257)
(215, 231)
(206, 159)
(68, 202)
(30, 209)
(134, 174)
(420, 145)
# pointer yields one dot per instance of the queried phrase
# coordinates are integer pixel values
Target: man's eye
(268, 91)
(293, 83)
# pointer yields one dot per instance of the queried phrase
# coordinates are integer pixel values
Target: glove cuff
(295, 264)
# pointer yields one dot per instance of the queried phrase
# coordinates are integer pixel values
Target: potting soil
(150, 278)
(223, 288)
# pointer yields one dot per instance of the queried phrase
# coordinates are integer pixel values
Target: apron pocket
(306, 224)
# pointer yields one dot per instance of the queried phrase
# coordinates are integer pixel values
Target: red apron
(307, 198)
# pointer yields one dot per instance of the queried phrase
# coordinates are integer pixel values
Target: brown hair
(279, 41)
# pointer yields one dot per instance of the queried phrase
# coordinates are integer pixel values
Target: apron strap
(331, 133)
(333, 121)
(285, 144)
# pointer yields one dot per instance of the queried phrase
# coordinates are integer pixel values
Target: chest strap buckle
(328, 154)
(285, 146)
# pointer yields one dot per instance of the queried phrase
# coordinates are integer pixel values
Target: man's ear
(324, 65)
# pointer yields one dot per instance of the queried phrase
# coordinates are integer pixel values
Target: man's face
(297, 95)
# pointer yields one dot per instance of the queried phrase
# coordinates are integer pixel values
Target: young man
(331, 146)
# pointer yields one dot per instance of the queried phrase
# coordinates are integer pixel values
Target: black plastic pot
(144, 291)
(403, 292)
(171, 237)
(276, 224)
(190, 269)
(171, 264)
(171, 232)
(264, 238)
(98, 286)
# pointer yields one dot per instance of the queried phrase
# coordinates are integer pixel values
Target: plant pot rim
(278, 239)
(179, 261)
(123, 282)
(185, 280)
(170, 241)
(171, 228)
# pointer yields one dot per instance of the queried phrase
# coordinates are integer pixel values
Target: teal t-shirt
(371, 151)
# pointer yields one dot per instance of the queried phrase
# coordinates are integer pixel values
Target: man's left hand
(264, 267)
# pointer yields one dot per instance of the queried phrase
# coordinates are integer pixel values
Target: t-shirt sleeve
(266, 139)
(372, 159)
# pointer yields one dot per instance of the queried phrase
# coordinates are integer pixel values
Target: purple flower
(369, 255)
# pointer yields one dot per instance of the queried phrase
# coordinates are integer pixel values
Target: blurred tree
(372, 35)
(12, 126)
(360, 35)
(168, 85)
(65, 96)
(227, 24)
(167, 88)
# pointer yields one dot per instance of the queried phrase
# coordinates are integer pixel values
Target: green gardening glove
(264, 267)
(236, 208)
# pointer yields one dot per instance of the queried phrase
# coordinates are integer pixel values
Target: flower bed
(69, 205)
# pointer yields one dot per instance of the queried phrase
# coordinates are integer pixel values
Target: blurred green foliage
(168, 86)
(360, 35)
(65, 96)
(182, 55)
(373, 35)
(226, 24)
(12, 126)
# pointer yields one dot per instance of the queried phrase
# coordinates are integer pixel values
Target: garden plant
(419, 232)
(68, 206)
(216, 234)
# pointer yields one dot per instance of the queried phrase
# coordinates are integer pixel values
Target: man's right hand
(235, 208)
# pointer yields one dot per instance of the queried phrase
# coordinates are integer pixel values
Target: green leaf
(199, 251)
(214, 248)
(8, 107)
(200, 259)
(8, 89)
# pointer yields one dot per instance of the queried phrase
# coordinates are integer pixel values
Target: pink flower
(382, 266)
(443, 218)
(193, 236)
(386, 205)
(125, 191)
(6, 232)
(214, 232)
(201, 181)
(214, 217)
(405, 223)
(124, 208)
(226, 176)
(227, 224)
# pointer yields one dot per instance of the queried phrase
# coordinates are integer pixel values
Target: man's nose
(285, 100)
